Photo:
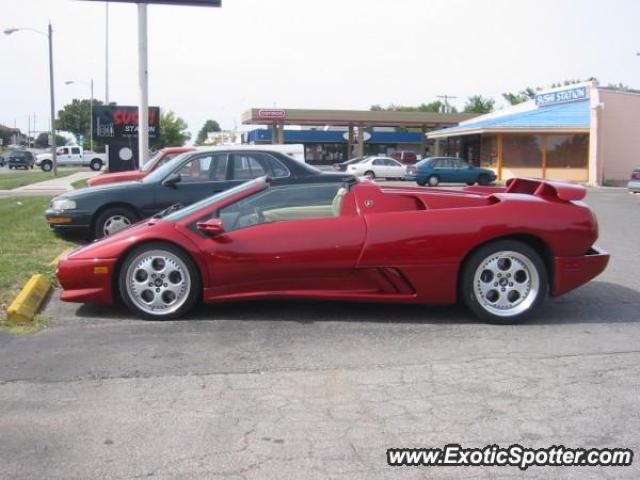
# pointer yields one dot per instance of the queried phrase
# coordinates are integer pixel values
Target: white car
(378, 167)
(72, 156)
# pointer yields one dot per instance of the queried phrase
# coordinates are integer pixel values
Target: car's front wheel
(484, 180)
(112, 220)
(159, 281)
(504, 281)
(370, 174)
(96, 164)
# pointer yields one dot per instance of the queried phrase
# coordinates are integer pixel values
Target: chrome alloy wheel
(506, 283)
(115, 224)
(158, 282)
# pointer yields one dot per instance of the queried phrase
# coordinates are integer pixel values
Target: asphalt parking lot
(311, 390)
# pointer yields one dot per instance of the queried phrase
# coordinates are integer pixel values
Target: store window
(489, 151)
(568, 151)
(522, 151)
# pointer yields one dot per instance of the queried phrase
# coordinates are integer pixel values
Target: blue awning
(568, 116)
(333, 136)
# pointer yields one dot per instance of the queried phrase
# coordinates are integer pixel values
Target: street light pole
(49, 36)
(54, 146)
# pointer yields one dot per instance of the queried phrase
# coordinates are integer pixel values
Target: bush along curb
(29, 300)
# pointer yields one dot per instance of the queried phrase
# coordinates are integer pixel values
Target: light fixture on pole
(90, 85)
(49, 35)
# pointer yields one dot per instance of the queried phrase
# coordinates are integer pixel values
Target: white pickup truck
(71, 156)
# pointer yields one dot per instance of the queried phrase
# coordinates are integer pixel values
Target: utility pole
(106, 55)
(446, 101)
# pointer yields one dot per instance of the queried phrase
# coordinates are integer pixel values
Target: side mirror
(211, 227)
(172, 180)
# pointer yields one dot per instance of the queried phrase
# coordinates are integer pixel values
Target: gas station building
(331, 136)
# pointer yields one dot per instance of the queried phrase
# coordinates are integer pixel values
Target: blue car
(433, 170)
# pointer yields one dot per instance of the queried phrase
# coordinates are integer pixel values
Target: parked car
(406, 157)
(493, 248)
(378, 167)
(21, 159)
(159, 159)
(343, 165)
(71, 156)
(634, 182)
(3, 162)
(434, 170)
(105, 209)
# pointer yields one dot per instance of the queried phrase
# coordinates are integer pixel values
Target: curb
(55, 261)
(28, 301)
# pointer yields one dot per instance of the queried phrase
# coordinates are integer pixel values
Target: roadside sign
(272, 114)
(117, 121)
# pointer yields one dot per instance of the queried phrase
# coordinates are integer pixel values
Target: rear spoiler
(533, 186)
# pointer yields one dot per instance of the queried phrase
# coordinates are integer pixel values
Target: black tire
(46, 166)
(422, 183)
(483, 180)
(470, 183)
(433, 180)
(110, 213)
(537, 279)
(96, 164)
(369, 173)
(192, 296)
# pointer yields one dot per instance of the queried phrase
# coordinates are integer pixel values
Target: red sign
(272, 114)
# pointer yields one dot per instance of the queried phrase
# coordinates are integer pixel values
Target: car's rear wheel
(96, 164)
(112, 220)
(46, 166)
(504, 281)
(470, 183)
(159, 281)
(484, 180)
(369, 173)
(433, 181)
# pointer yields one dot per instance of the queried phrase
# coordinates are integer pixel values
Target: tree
(209, 126)
(42, 140)
(435, 106)
(75, 117)
(520, 97)
(479, 104)
(173, 131)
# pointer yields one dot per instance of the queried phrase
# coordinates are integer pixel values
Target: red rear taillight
(635, 176)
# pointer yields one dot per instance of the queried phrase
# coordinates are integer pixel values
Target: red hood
(116, 177)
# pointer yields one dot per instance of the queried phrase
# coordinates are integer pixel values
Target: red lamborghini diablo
(500, 250)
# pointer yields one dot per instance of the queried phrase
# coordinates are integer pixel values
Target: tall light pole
(106, 54)
(49, 35)
(143, 85)
(90, 85)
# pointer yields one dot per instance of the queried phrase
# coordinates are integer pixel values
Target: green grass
(80, 184)
(21, 178)
(27, 245)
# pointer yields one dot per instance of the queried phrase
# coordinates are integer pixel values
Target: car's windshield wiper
(168, 210)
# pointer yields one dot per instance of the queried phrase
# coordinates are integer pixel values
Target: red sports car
(160, 158)
(499, 250)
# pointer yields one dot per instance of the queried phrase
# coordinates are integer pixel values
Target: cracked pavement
(310, 390)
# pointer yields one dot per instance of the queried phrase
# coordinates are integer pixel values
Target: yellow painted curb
(55, 261)
(28, 301)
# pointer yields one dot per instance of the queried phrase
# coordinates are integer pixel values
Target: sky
(215, 63)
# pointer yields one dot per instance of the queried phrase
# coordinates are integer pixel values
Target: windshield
(185, 212)
(161, 172)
